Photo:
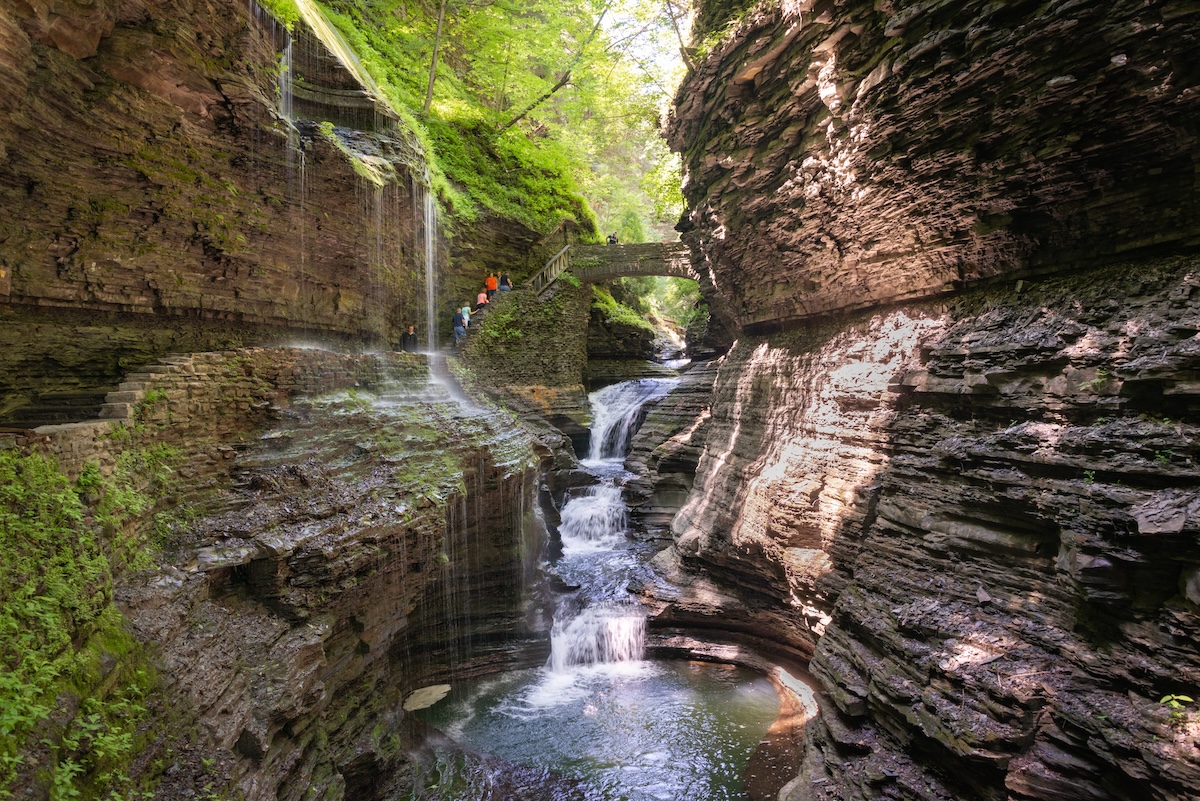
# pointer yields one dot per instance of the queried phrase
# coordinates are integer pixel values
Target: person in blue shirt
(460, 326)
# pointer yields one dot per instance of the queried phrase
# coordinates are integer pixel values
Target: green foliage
(1097, 383)
(591, 96)
(285, 11)
(57, 620)
(1177, 704)
(674, 299)
(615, 311)
(510, 175)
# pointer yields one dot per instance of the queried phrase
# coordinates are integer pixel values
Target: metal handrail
(553, 269)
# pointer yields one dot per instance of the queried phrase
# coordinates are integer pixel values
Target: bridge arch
(594, 263)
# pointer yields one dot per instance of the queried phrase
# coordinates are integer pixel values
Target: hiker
(482, 300)
(612, 238)
(460, 326)
(490, 285)
(505, 282)
(466, 313)
(408, 340)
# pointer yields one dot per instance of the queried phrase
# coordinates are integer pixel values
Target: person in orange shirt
(491, 284)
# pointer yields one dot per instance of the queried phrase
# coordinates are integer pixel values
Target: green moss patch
(72, 680)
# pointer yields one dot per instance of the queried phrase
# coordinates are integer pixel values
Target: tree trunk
(437, 44)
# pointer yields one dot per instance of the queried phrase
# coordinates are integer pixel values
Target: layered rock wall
(972, 520)
(149, 175)
(843, 153)
(976, 522)
(327, 554)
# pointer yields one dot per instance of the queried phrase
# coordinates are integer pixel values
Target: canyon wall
(333, 535)
(156, 175)
(972, 521)
(966, 507)
(843, 153)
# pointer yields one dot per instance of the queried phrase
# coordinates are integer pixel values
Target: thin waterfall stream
(599, 720)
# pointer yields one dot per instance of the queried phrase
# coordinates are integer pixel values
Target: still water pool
(629, 731)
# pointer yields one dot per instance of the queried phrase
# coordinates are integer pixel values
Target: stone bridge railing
(592, 263)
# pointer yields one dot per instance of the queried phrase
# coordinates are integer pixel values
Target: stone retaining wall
(197, 400)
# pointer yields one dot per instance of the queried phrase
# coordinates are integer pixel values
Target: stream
(599, 721)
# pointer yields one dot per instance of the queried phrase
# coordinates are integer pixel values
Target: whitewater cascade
(602, 625)
(618, 412)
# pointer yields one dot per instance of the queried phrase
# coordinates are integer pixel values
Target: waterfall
(594, 521)
(598, 635)
(601, 625)
(430, 267)
(618, 413)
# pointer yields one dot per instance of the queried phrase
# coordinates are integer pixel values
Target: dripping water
(430, 219)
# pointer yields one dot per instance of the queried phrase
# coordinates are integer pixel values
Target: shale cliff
(970, 515)
(839, 154)
(297, 540)
(154, 172)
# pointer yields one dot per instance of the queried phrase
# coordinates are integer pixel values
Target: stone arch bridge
(592, 263)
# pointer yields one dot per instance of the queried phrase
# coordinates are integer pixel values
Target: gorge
(938, 481)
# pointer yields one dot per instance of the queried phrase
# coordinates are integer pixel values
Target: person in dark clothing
(408, 340)
(460, 327)
(612, 238)
(505, 282)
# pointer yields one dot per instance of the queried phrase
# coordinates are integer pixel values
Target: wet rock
(993, 588)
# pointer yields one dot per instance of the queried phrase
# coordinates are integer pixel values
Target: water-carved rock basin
(634, 730)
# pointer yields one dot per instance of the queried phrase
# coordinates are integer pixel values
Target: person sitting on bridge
(612, 238)
(490, 285)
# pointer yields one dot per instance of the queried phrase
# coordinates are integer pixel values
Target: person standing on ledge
(505, 282)
(490, 285)
(408, 340)
(460, 327)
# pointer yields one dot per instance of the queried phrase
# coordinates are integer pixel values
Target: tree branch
(566, 78)
(687, 60)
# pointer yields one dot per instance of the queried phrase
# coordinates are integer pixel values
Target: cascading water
(430, 205)
(599, 722)
(611, 628)
(618, 413)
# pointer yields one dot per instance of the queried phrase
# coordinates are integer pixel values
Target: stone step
(54, 408)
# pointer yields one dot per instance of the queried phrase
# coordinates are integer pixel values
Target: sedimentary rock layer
(843, 153)
(147, 168)
(347, 554)
(979, 521)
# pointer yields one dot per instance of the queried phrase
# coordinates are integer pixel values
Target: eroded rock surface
(978, 521)
(150, 178)
(843, 153)
(361, 549)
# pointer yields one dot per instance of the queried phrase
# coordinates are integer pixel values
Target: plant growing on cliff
(60, 632)
(1177, 704)
(617, 312)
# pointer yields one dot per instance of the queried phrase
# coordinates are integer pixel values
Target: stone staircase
(55, 408)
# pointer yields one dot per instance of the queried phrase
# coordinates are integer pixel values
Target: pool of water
(629, 731)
